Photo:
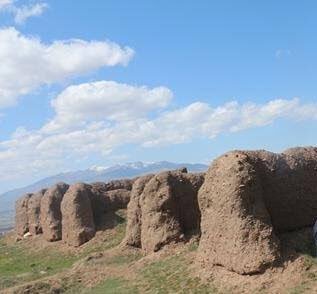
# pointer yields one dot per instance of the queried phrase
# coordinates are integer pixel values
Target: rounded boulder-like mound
(78, 224)
(170, 209)
(248, 199)
(163, 209)
(51, 215)
(134, 213)
(21, 215)
(34, 212)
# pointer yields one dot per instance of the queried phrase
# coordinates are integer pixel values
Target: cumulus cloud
(105, 100)
(27, 63)
(112, 114)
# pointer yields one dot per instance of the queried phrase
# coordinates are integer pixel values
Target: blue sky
(190, 80)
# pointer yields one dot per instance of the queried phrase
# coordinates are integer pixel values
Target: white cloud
(21, 14)
(112, 114)
(27, 63)
(200, 120)
(5, 3)
(105, 100)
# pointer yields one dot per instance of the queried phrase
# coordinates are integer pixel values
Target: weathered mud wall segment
(289, 187)
(163, 209)
(78, 225)
(236, 230)
(240, 207)
(134, 212)
(21, 215)
(116, 199)
(119, 184)
(51, 215)
(34, 213)
(97, 199)
(248, 198)
(187, 195)
(70, 213)
(109, 197)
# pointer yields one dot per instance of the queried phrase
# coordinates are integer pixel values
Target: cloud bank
(96, 118)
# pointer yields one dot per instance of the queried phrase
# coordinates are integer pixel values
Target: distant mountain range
(95, 174)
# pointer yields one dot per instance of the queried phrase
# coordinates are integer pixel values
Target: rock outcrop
(163, 209)
(248, 199)
(78, 224)
(51, 215)
(21, 215)
(34, 213)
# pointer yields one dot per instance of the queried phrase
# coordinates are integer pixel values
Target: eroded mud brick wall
(248, 198)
